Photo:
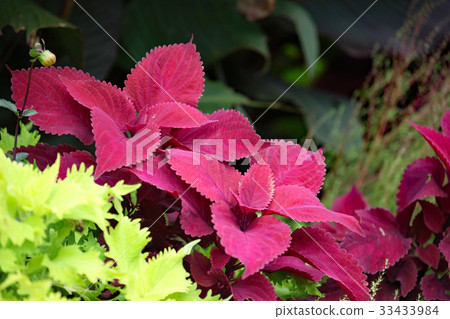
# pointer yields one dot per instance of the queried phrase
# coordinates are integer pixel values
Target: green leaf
(26, 137)
(126, 242)
(192, 294)
(70, 264)
(29, 112)
(218, 95)
(8, 260)
(160, 276)
(306, 30)
(218, 28)
(21, 156)
(28, 16)
(8, 105)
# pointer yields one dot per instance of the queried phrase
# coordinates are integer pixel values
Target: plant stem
(20, 112)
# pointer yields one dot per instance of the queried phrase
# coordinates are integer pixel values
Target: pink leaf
(74, 158)
(299, 203)
(383, 241)
(406, 273)
(296, 266)
(429, 255)
(434, 288)
(319, 249)
(349, 203)
(200, 265)
(43, 154)
(439, 142)
(58, 113)
(444, 245)
(293, 165)
(195, 215)
(171, 114)
(111, 145)
(265, 238)
(422, 178)
(109, 98)
(445, 123)
(256, 188)
(218, 258)
(433, 217)
(256, 287)
(228, 138)
(214, 180)
(167, 74)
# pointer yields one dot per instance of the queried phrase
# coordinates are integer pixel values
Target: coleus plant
(155, 116)
(416, 242)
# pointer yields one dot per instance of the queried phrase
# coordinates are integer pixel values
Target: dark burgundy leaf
(383, 241)
(432, 216)
(75, 158)
(43, 154)
(406, 273)
(429, 255)
(319, 249)
(256, 287)
(434, 288)
(218, 258)
(296, 266)
(421, 179)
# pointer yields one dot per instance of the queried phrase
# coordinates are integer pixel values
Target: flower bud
(47, 58)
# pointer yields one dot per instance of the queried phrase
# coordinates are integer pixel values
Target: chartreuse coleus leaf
(152, 279)
(25, 138)
(42, 245)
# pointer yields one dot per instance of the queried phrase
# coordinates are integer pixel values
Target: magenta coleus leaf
(214, 180)
(432, 216)
(228, 138)
(218, 258)
(383, 241)
(439, 142)
(111, 144)
(256, 287)
(74, 158)
(256, 188)
(171, 73)
(350, 203)
(405, 271)
(43, 154)
(299, 203)
(296, 266)
(422, 178)
(444, 245)
(195, 215)
(318, 248)
(264, 239)
(57, 111)
(293, 165)
(109, 98)
(434, 288)
(429, 255)
(171, 114)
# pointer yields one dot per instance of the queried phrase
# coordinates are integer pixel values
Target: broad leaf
(265, 238)
(429, 255)
(434, 288)
(95, 94)
(300, 204)
(256, 188)
(229, 138)
(45, 155)
(167, 74)
(256, 287)
(195, 218)
(406, 273)
(319, 249)
(172, 114)
(296, 266)
(74, 158)
(213, 179)
(56, 107)
(26, 137)
(383, 241)
(218, 258)
(432, 216)
(421, 179)
(293, 165)
(444, 245)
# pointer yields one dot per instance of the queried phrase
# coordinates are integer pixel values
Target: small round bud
(47, 58)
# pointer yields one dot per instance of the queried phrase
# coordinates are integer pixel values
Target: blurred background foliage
(353, 99)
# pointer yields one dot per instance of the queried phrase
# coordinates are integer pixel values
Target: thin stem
(20, 113)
